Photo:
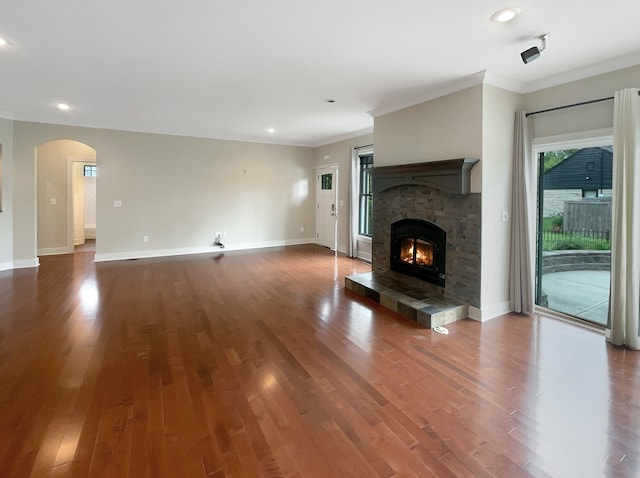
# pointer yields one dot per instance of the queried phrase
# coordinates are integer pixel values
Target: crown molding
(589, 71)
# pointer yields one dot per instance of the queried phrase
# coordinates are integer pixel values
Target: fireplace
(418, 249)
(438, 192)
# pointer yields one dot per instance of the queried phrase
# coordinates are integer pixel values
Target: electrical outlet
(301, 228)
(145, 238)
(54, 201)
(225, 234)
(505, 216)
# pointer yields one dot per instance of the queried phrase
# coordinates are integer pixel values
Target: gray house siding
(588, 168)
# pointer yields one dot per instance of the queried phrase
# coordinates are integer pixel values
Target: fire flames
(423, 252)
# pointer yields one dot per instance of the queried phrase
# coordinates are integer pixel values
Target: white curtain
(353, 204)
(521, 270)
(624, 302)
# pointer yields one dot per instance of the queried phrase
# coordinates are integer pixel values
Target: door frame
(362, 245)
(70, 203)
(334, 167)
(582, 139)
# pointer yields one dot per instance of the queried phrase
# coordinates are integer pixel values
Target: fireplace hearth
(418, 249)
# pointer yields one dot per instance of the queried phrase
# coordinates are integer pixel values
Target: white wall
(178, 191)
(340, 153)
(498, 113)
(6, 189)
(444, 128)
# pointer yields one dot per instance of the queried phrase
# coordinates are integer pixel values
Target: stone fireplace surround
(438, 192)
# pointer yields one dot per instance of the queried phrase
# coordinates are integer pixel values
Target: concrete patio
(583, 294)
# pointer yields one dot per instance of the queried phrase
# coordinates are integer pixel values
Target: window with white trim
(365, 219)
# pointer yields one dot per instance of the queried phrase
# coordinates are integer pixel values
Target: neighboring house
(585, 174)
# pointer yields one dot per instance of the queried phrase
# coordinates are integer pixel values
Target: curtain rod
(571, 106)
(365, 146)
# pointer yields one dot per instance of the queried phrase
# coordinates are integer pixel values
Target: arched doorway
(65, 196)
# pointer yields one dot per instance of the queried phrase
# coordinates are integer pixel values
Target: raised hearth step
(395, 294)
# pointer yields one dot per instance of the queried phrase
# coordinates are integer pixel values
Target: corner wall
(340, 153)
(498, 115)
(6, 189)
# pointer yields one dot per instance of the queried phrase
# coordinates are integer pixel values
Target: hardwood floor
(261, 364)
(88, 246)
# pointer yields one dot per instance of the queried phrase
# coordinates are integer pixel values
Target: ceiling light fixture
(4, 42)
(63, 106)
(271, 130)
(534, 52)
(505, 15)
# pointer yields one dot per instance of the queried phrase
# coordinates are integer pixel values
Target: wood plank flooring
(261, 364)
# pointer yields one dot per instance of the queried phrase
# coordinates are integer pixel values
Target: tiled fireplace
(435, 194)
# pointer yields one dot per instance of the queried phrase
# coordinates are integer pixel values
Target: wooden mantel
(452, 176)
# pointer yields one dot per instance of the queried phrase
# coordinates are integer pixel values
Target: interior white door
(327, 207)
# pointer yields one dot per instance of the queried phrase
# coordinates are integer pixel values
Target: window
(89, 170)
(326, 181)
(366, 195)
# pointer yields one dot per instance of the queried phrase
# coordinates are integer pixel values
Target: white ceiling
(233, 69)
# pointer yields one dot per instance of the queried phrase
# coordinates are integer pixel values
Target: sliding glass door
(573, 232)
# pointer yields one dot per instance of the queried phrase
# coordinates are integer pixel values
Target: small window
(327, 181)
(589, 193)
(90, 170)
(366, 196)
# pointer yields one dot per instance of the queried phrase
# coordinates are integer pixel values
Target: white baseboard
(365, 256)
(5, 266)
(90, 231)
(26, 263)
(51, 251)
(475, 313)
(488, 313)
(119, 256)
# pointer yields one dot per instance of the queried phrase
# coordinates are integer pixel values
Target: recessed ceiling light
(271, 130)
(4, 42)
(505, 15)
(63, 106)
